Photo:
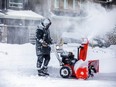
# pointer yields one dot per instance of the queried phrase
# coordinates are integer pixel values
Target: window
(56, 4)
(65, 4)
(16, 3)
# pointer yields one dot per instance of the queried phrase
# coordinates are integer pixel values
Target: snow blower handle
(57, 56)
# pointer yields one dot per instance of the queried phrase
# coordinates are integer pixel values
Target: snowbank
(18, 68)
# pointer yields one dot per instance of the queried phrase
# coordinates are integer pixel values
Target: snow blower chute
(78, 67)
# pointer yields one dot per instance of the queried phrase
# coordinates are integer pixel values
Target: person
(43, 41)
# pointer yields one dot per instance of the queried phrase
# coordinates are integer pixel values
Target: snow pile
(18, 68)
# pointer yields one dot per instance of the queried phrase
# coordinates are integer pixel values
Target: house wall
(65, 7)
(0, 4)
(21, 31)
(3, 33)
(15, 30)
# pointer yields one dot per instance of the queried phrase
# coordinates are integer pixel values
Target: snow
(1, 14)
(18, 62)
(71, 35)
(97, 21)
(18, 68)
(23, 14)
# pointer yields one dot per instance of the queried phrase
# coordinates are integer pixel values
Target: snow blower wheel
(65, 72)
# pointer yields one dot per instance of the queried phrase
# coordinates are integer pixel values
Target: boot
(40, 73)
(45, 70)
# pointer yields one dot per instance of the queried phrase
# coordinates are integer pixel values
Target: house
(61, 12)
(64, 12)
(66, 7)
(17, 24)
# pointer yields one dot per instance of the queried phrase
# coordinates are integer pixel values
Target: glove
(44, 44)
(81, 46)
(41, 41)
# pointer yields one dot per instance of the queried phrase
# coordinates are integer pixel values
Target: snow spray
(97, 21)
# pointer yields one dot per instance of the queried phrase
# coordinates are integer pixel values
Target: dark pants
(43, 59)
(43, 55)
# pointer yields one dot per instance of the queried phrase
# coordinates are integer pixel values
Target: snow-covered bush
(99, 42)
(106, 40)
(112, 37)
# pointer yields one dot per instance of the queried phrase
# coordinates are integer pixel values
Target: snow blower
(77, 67)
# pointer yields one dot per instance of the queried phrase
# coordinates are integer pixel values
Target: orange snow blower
(78, 67)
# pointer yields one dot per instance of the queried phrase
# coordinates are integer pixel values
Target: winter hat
(46, 22)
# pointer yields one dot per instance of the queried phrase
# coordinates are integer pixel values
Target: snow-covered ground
(18, 68)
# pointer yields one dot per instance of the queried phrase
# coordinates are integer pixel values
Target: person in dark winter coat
(43, 41)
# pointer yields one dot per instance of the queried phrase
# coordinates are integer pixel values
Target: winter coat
(44, 35)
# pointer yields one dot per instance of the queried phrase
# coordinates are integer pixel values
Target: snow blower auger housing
(78, 67)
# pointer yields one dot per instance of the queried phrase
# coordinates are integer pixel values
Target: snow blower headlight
(57, 47)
